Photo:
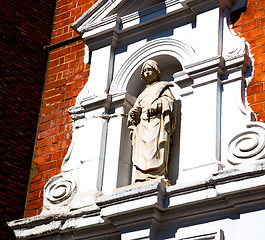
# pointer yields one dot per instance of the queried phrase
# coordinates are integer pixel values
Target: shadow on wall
(173, 164)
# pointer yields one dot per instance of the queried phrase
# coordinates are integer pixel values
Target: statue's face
(149, 74)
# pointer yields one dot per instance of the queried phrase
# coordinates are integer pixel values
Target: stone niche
(217, 141)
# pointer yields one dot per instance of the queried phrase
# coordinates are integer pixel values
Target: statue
(152, 121)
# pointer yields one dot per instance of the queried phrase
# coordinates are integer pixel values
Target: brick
(251, 16)
(247, 27)
(63, 3)
(261, 5)
(40, 159)
(259, 69)
(55, 84)
(58, 32)
(259, 107)
(68, 73)
(260, 97)
(37, 186)
(253, 33)
(38, 177)
(251, 99)
(255, 89)
(261, 117)
(57, 69)
(258, 50)
(57, 155)
(52, 100)
(72, 94)
(260, 77)
(60, 17)
(51, 79)
(76, 62)
(260, 22)
(67, 21)
(46, 110)
(66, 8)
(62, 37)
(76, 11)
(46, 175)
(51, 93)
(260, 40)
(59, 53)
(61, 121)
(41, 143)
(59, 162)
(53, 63)
(49, 149)
(70, 57)
(34, 204)
(30, 213)
(251, 8)
(64, 104)
(33, 195)
(80, 54)
(64, 144)
(78, 46)
(38, 152)
(79, 69)
(54, 172)
(46, 166)
(49, 132)
(260, 59)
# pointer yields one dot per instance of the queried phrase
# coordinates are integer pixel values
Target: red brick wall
(251, 26)
(66, 75)
(25, 28)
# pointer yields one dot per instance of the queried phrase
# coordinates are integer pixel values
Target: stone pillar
(117, 168)
(200, 93)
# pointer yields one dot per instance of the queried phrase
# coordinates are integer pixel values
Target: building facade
(213, 52)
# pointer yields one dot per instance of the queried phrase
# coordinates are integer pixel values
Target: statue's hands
(135, 114)
(154, 109)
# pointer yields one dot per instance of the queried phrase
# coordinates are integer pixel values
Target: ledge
(230, 192)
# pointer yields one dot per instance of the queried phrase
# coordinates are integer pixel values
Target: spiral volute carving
(59, 189)
(248, 145)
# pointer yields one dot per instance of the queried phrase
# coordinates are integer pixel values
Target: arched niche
(168, 66)
(170, 53)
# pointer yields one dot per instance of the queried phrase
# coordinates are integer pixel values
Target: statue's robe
(151, 136)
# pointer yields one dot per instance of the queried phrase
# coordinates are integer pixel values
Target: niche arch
(172, 56)
(177, 52)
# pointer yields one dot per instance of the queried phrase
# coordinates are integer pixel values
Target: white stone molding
(97, 12)
(203, 235)
(247, 146)
(232, 44)
(230, 193)
(58, 193)
(162, 46)
(98, 29)
(92, 197)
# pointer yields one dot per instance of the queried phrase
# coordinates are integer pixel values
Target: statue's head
(150, 71)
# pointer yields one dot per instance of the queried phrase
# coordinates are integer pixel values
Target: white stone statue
(152, 121)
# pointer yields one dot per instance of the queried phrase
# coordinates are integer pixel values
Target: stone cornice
(231, 191)
(138, 24)
(219, 69)
(106, 102)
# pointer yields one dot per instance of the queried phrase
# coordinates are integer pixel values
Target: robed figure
(152, 121)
